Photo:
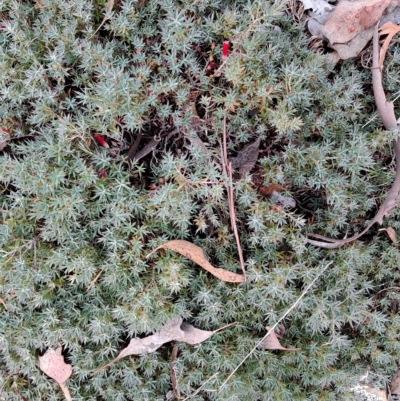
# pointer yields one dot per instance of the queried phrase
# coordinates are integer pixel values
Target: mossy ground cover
(78, 219)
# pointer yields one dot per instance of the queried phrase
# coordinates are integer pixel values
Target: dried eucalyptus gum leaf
(196, 254)
(272, 342)
(174, 330)
(246, 158)
(138, 346)
(194, 336)
(53, 365)
(391, 233)
(197, 142)
(350, 18)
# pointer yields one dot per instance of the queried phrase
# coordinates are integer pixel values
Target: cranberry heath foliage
(71, 208)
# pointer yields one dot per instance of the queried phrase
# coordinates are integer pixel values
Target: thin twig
(233, 221)
(224, 327)
(275, 325)
(385, 289)
(227, 169)
(200, 388)
(22, 397)
(174, 380)
(133, 149)
(4, 304)
(94, 280)
(151, 146)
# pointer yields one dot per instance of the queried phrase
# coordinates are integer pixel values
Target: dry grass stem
(3, 302)
(94, 280)
(201, 387)
(275, 325)
(174, 380)
(227, 169)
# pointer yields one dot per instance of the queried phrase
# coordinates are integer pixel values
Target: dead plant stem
(227, 169)
(276, 324)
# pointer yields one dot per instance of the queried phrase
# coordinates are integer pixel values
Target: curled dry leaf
(196, 254)
(174, 330)
(272, 342)
(246, 158)
(53, 365)
(390, 30)
(194, 336)
(350, 18)
(391, 233)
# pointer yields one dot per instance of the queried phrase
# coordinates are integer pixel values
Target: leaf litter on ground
(350, 18)
(388, 117)
(196, 254)
(246, 159)
(391, 233)
(53, 365)
(350, 26)
(390, 30)
(271, 341)
(174, 330)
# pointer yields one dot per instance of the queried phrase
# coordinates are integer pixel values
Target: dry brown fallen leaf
(53, 365)
(266, 190)
(390, 30)
(272, 342)
(174, 330)
(354, 47)
(246, 159)
(350, 18)
(391, 233)
(196, 254)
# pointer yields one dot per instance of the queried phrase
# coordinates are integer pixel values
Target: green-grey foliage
(71, 209)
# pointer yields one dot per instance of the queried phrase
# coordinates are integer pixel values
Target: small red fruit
(225, 49)
(101, 140)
